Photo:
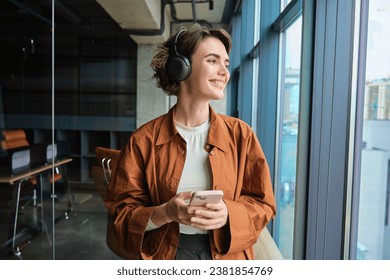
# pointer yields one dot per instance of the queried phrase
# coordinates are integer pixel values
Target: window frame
(323, 195)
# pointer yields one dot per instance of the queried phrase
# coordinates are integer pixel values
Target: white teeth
(217, 82)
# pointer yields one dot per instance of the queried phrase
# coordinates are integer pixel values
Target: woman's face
(209, 75)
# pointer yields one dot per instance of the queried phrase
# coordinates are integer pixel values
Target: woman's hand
(208, 217)
(211, 216)
(175, 210)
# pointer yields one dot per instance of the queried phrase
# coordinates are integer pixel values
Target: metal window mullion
(302, 164)
(268, 53)
(246, 65)
(329, 129)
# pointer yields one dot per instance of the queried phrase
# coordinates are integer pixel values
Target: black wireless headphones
(178, 66)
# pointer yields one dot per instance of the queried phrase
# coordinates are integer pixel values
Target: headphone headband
(176, 39)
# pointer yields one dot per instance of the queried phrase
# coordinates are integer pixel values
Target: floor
(79, 234)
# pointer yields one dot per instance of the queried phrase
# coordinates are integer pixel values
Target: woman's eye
(213, 61)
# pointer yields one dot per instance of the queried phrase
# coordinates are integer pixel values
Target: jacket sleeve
(253, 207)
(129, 202)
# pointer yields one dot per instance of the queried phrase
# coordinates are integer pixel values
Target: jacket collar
(218, 132)
(167, 129)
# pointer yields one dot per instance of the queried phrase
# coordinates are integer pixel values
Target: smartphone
(200, 198)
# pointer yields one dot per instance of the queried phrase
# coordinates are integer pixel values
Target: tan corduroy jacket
(148, 173)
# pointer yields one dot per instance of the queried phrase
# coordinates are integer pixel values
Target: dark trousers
(193, 247)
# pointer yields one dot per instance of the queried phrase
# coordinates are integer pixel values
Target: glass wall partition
(27, 172)
(66, 88)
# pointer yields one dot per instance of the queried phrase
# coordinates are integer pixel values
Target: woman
(188, 149)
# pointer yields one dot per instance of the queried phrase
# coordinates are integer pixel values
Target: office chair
(101, 173)
(15, 139)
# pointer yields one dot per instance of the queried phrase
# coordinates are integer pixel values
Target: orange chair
(101, 173)
(13, 139)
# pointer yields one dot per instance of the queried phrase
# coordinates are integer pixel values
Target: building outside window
(373, 222)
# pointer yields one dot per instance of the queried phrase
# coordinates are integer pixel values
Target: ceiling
(144, 21)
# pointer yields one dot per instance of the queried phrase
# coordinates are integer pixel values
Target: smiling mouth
(217, 83)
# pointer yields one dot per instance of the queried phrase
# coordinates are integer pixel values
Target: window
(255, 89)
(288, 109)
(373, 223)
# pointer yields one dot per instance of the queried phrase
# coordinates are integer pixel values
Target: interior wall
(151, 101)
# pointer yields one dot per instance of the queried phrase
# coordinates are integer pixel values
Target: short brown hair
(188, 42)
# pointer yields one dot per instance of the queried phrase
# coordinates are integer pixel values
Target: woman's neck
(191, 114)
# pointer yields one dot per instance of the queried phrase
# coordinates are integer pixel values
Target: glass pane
(95, 69)
(25, 103)
(284, 3)
(373, 227)
(288, 136)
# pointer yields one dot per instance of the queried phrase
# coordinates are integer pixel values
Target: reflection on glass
(25, 102)
(288, 136)
(373, 227)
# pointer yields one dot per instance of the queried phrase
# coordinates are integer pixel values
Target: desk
(20, 178)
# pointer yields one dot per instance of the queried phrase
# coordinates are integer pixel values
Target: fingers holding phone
(200, 198)
(209, 209)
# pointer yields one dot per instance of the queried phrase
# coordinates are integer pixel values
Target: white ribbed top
(196, 174)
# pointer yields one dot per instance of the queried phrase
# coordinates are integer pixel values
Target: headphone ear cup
(179, 68)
